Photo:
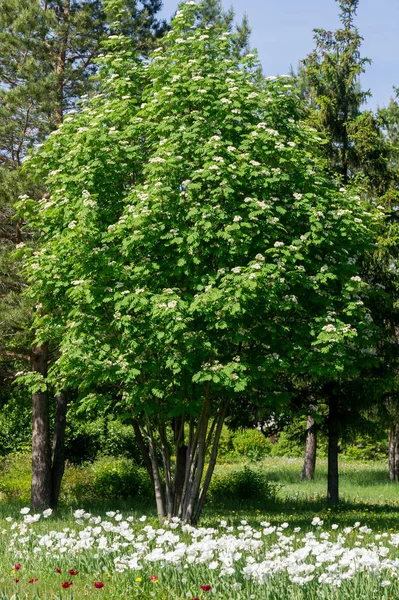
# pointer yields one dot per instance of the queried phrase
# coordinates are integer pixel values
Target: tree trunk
(333, 438)
(144, 451)
(396, 464)
(159, 492)
(212, 462)
(309, 463)
(391, 453)
(58, 462)
(61, 64)
(41, 451)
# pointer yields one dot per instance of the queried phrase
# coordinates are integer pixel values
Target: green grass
(366, 497)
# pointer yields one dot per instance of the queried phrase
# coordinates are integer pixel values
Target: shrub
(366, 450)
(242, 484)
(252, 444)
(287, 445)
(226, 444)
(85, 441)
(15, 477)
(108, 478)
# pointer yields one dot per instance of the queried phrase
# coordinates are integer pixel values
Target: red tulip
(73, 572)
(66, 584)
(206, 588)
(154, 578)
(33, 580)
(16, 580)
(58, 570)
(17, 566)
(98, 584)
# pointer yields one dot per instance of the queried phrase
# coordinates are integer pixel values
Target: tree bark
(219, 420)
(144, 451)
(41, 451)
(391, 453)
(396, 466)
(333, 438)
(309, 463)
(61, 64)
(159, 493)
(58, 460)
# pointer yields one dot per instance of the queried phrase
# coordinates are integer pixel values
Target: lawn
(290, 547)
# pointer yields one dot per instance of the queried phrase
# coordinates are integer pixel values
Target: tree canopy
(192, 247)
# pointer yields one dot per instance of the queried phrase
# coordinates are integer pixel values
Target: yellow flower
(139, 579)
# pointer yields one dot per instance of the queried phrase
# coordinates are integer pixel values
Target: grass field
(289, 548)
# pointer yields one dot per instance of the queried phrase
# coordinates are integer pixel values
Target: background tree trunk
(41, 452)
(333, 438)
(309, 463)
(396, 449)
(391, 453)
(58, 461)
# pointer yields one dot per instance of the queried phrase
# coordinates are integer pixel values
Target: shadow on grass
(299, 512)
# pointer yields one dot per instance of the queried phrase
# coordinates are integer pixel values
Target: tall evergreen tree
(358, 154)
(47, 57)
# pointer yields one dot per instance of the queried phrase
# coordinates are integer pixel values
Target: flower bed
(118, 556)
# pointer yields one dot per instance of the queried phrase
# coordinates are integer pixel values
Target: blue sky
(282, 33)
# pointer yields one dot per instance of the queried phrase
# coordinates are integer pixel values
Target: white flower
(329, 328)
(278, 244)
(297, 196)
(237, 218)
(25, 510)
(236, 270)
(172, 304)
(356, 278)
(225, 101)
(47, 512)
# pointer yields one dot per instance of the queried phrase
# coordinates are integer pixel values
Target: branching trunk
(333, 438)
(219, 420)
(182, 489)
(41, 451)
(159, 493)
(309, 463)
(58, 459)
(144, 451)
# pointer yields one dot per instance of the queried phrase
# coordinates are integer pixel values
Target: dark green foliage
(108, 478)
(87, 440)
(251, 444)
(15, 477)
(242, 484)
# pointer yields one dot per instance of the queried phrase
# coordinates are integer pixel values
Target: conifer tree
(47, 57)
(359, 156)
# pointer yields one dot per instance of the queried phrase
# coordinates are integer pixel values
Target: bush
(108, 478)
(15, 477)
(252, 444)
(366, 450)
(226, 447)
(286, 445)
(85, 441)
(242, 484)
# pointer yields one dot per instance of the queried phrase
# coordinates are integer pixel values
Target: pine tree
(47, 57)
(358, 154)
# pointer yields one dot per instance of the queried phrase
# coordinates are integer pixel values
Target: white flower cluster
(252, 554)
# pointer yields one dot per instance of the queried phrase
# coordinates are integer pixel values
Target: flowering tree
(192, 249)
